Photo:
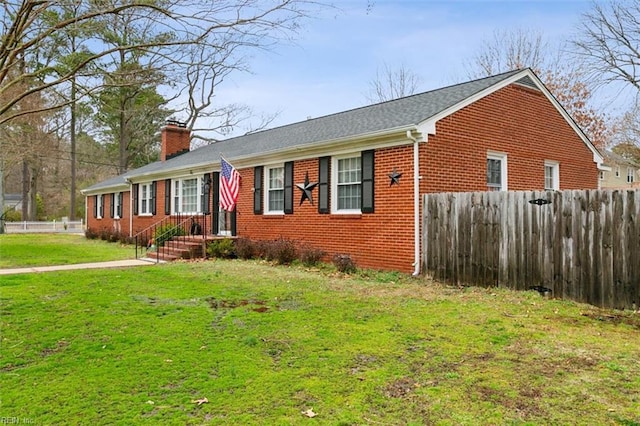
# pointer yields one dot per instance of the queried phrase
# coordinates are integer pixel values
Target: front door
(224, 222)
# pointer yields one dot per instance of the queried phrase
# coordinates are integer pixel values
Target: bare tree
(391, 83)
(627, 134)
(523, 48)
(33, 30)
(177, 24)
(204, 71)
(568, 84)
(609, 43)
(509, 50)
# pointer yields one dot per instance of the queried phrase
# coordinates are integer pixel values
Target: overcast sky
(336, 54)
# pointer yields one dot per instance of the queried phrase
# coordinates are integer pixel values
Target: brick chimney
(176, 139)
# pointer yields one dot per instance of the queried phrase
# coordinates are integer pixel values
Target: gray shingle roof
(403, 112)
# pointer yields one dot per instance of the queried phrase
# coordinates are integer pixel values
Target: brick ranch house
(371, 166)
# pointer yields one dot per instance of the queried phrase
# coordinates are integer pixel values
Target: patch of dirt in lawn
(60, 345)
(526, 403)
(549, 361)
(275, 348)
(362, 362)
(401, 388)
(254, 305)
(630, 318)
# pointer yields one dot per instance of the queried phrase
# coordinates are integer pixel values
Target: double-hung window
(348, 184)
(551, 176)
(117, 205)
(99, 208)
(145, 198)
(630, 172)
(274, 194)
(496, 172)
(186, 195)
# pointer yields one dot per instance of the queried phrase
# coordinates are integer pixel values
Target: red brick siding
(174, 139)
(140, 222)
(107, 222)
(518, 121)
(515, 120)
(383, 239)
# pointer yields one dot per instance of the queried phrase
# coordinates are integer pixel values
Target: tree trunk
(1, 196)
(122, 136)
(33, 194)
(25, 190)
(72, 209)
(122, 143)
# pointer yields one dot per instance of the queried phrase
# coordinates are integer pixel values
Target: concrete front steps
(184, 247)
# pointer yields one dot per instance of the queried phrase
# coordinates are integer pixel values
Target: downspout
(416, 204)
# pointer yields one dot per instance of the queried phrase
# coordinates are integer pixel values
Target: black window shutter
(288, 187)
(112, 210)
(215, 217)
(367, 205)
(257, 189)
(206, 197)
(95, 206)
(120, 201)
(167, 196)
(323, 185)
(154, 192)
(134, 195)
(233, 223)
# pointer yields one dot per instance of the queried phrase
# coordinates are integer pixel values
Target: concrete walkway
(96, 265)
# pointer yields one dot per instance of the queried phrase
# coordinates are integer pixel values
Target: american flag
(229, 186)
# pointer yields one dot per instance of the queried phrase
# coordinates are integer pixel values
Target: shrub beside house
(351, 182)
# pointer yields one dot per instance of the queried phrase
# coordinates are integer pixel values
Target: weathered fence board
(583, 244)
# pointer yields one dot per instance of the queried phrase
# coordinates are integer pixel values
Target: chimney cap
(172, 122)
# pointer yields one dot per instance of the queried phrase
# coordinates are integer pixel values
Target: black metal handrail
(179, 227)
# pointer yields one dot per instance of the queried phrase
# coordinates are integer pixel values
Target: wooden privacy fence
(583, 245)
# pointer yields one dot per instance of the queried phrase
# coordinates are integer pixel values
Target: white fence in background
(61, 226)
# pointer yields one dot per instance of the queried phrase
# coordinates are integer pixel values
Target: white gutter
(350, 143)
(416, 204)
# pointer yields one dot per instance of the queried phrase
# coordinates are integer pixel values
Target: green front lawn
(25, 250)
(264, 345)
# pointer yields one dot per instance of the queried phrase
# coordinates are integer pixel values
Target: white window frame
(268, 189)
(630, 175)
(335, 161)
(617, 171)
(99, 206)
(116, 205)
(177, 198)
(141, 198)
(555, 175)
(502, 157)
